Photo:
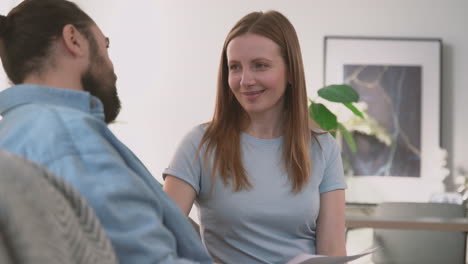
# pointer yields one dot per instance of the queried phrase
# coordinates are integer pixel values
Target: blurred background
(166, 56)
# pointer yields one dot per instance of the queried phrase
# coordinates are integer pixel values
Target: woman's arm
(331, 224)
(181, 192)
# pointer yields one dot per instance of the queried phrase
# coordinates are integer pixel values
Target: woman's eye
(234, 67)
(261, 65)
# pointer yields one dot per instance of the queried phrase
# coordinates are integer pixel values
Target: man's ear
(75, 42)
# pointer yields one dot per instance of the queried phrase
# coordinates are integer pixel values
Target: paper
(319, 259)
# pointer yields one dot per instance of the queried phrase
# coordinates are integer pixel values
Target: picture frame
(399, 81)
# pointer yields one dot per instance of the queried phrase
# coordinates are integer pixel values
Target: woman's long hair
(222, 136)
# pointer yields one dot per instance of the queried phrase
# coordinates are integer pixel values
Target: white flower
(439, 163)
(368, 125)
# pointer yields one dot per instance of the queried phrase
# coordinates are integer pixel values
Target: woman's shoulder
(323, 140)
(196, 134)
(199, 129)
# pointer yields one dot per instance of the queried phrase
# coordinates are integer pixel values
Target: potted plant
(326, 119)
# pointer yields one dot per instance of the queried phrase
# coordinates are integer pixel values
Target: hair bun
(3, 24)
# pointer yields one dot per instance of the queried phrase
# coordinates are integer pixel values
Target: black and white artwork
(399, 82)
(393, 96)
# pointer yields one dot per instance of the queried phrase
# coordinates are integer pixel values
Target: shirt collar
(30, 93)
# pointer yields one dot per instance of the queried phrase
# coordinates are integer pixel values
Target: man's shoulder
(31, 116)
(43, 128)
(43, 116)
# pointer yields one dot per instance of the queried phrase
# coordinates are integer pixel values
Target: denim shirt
(64, 130)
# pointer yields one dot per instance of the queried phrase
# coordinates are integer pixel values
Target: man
(56, 115)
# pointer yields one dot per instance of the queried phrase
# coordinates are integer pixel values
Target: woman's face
(257, 74)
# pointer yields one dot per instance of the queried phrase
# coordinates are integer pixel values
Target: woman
(267, 186)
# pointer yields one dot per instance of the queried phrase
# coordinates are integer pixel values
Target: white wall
(5, 6)
(166, 55)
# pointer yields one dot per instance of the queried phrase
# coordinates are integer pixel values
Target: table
(422, 223)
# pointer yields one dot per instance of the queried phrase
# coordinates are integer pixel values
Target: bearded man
(56, 114)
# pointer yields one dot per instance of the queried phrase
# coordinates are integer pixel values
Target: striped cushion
(44, 220)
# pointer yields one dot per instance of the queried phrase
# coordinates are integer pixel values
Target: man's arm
(130, 211)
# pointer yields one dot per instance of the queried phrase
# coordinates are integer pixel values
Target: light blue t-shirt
(64, 131)
(269, 223)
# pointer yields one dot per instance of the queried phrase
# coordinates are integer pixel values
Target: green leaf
(354, 109)
(324, 118)
(348, 137)
(340, 93)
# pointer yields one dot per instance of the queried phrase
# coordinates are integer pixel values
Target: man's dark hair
(28, 31)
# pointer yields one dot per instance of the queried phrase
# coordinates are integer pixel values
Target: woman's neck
(265, 126)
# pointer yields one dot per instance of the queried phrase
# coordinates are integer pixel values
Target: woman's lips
(251, 96)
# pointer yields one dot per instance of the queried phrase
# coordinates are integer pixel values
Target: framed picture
(399, 82)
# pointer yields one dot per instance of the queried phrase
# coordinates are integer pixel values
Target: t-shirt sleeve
(333, 177)
(186, 164)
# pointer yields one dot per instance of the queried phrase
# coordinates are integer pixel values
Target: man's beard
(103, 87)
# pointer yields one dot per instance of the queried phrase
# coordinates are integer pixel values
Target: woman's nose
(248, 78)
